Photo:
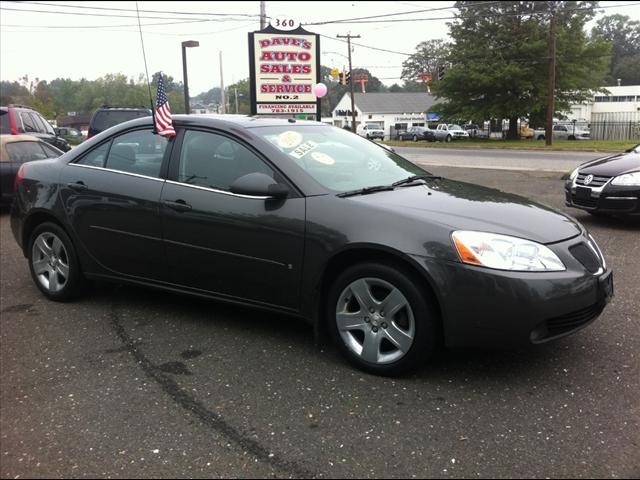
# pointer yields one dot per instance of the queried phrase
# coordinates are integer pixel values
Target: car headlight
(632, 179)
(574, 174)
(503, 252)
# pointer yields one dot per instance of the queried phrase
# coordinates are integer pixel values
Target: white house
(397, 111)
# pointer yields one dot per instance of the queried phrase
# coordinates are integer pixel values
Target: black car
(417, 133)
(106, 117)
(18, 120)
(609, 185)
(308, 220)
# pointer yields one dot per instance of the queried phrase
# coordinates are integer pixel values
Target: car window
(50, 151)
(104, 119)
(5, 124)
(96, 157)
(216, 161)
(28, 123)
(38, 122)
(338, 159)
(139, 152)
(20, 152)
(47, 126)
(559, 128)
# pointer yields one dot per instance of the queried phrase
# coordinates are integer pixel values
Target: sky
(84, 42)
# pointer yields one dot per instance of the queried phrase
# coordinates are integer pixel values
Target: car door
(111, 195)
(237, 246)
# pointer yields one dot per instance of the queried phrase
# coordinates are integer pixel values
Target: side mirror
(259, 185)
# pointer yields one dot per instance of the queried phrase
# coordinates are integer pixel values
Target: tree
(624, 36)
(498, 60)
(12, 92)
(428, 57)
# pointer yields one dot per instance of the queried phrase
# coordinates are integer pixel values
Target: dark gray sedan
(312, 221)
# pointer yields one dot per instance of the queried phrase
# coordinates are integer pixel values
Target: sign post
(284, 66)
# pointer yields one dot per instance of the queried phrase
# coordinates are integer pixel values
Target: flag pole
(144, 56)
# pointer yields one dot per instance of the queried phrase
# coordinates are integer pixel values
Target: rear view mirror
(259, 185)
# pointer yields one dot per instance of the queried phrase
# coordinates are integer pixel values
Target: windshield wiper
(364, 191)
(413, 178)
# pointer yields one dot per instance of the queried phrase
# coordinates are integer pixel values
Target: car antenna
(144, 56)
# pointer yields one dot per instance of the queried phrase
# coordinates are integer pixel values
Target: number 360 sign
(283, 23)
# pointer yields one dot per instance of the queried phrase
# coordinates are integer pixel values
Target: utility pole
(222, 99)
(263, 15)
(351, 81)
(551, 86)
(236, 90)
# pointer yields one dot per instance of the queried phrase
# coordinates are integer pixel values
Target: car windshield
(455, 127)
(337, 159)
(372, 126)
(108, 118)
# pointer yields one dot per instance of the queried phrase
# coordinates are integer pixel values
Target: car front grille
(597, 181)
(586, 256)
(566, 323)
(585, 202)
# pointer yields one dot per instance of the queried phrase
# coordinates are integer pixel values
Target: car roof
(4, 139)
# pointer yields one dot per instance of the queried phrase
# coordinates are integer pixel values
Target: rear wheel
(540, 137)
(415, 138)
(380, 320)
(53, 263)
(448, 139)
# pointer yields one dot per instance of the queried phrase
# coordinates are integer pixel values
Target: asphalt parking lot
(133, 383)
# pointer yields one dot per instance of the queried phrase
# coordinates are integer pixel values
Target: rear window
(20, 152)
(108, 118)
(5, 125)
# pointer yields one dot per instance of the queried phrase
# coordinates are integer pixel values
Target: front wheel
(54, 264)
(382, 322)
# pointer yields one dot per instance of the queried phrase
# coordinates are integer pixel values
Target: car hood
(464, 206)
(612, 165)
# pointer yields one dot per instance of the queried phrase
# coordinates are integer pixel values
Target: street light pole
(185, 45)
(236, 91)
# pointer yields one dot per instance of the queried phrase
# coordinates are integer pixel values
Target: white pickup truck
(370, 131)
(446, 133)
(564, 132)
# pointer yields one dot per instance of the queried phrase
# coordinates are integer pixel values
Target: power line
(505, 14)
(91, 27)
(115, 9)
(345, 20)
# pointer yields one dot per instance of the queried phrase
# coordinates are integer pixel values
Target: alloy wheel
(375, 321)
(50, 262)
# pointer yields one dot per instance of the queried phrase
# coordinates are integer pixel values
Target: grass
(569, 145)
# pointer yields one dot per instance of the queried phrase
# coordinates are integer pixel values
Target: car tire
(448, 139)
(397, 342)
(51, 255)
(415, 138)
(571, 137)
(540, 137)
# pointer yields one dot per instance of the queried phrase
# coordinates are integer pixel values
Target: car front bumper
(482, 307)
(607, 199)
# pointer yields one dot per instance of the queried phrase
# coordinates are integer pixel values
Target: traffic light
(441, 71)
(345, 78)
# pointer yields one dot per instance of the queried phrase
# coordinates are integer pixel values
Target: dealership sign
(284, 67)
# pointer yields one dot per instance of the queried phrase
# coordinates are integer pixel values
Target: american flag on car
(164, 123)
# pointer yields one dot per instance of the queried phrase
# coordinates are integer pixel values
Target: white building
(620, 102)
(397, 111)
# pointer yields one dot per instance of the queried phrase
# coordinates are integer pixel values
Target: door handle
(78, 186)
(178, 205)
